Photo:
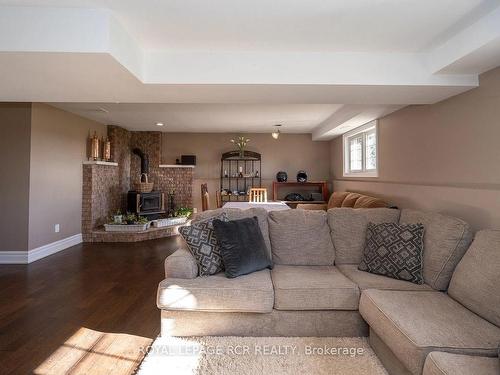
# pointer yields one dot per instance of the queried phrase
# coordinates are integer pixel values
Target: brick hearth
(99, 235)
(105, 185)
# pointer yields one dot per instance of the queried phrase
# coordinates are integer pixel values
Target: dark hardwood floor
(87, 309)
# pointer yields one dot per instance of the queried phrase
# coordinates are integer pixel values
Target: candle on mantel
(94, 147)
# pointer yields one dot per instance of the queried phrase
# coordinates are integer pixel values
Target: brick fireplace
(105, 185)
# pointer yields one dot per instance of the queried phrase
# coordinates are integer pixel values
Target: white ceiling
(316, 66)
(212, 118)
(286, 25)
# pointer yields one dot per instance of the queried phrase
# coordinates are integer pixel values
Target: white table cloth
(269, 206)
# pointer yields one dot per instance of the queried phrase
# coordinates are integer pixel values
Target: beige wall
(15, 173)
(443, 157)
(291, 153)
(58, 148)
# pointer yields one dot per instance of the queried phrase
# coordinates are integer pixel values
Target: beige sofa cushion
(236, 214)
(248, 293)
(442, 363)
(414, 323)
(313, 288)
(366, 280)
(445, 241)
(348, 230)
(476, 280)
(300, 237)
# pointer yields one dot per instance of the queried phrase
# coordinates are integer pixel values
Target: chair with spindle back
(205, 198)
(258, 195)
(218, 202)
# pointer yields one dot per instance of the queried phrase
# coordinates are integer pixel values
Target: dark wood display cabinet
(239, 173)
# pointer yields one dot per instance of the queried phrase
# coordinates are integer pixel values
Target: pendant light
(276, 133)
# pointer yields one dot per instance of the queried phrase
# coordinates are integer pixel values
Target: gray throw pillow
(202, 242)
(394, 250)
(242, 246)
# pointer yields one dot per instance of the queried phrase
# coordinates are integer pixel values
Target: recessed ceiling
(317, 66)
(212, 118)
(286, 25)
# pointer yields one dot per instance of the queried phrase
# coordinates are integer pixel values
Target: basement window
(360, 151)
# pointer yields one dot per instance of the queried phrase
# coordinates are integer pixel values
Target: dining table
(268, 206)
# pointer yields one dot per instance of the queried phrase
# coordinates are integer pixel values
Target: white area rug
(261, 355)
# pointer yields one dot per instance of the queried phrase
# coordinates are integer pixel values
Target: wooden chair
(258, 195)
(218, 202)
(205, 198)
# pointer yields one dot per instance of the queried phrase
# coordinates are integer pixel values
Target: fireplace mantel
(98, 162)
(175, 166)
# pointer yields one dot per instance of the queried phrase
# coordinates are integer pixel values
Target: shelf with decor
(312, 188)
(239, 171)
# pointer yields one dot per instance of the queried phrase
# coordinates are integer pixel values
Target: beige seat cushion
(367, 280)
(313, 288)
(300, 238)
(445, 241)
(476, 280)
(348, 230)
(236, 214)
(414, 323)
(248, 293)
(442, 363)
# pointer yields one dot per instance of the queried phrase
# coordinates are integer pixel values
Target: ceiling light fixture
(276, 133)
(160, 124)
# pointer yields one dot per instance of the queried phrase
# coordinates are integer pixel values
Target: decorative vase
(241, 143)
(281, 176)
(301, 177)
(94, 147)
(107, 150)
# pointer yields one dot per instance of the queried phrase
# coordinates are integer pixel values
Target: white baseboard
(13, 257)
(25, 257)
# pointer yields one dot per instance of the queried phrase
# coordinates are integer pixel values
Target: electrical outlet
(56, 228)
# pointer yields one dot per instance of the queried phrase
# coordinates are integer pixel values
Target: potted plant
(241, 142)
(183, 212)
(118, 217)
(130, 219)
(130, 223)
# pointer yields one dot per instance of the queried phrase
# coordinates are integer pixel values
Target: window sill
(361, 174)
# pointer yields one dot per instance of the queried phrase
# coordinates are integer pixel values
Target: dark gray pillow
(394, 250)
(242, 246)
(202, 242)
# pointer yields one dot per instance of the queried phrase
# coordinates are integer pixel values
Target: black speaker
(188, 159)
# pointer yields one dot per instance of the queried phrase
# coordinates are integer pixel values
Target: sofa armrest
(181, 264)
(312, 206)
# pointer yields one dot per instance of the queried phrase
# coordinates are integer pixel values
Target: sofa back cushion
(445, 241)
(300, 238)
(337, 198)
(236, 214)
(350, 200)
(365, 201)
(348, 230)
(476, 280)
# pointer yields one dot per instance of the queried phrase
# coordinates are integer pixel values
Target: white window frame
(364, 130)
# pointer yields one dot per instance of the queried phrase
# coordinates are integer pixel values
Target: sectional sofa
(348, 199)
(315, 289)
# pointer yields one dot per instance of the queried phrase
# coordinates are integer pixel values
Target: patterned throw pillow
(394, 250)
(201, 240)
